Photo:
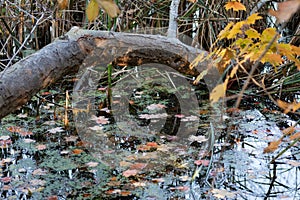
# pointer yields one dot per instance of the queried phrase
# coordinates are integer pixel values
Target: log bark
(24, 79)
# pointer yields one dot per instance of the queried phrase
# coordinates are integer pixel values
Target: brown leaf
(272, 146)
(63, 4)
(285, 10)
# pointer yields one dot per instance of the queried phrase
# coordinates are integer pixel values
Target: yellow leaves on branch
(109, 6)
(285, 10)
(235, 5)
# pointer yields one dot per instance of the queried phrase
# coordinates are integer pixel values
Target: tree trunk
(24, 79)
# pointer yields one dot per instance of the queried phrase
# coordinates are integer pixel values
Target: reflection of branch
(272, 181)
(172, 30)
(238, 101)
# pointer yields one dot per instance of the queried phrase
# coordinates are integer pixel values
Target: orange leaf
(295, 136)
(289, 130)
(272, 146)
(288, 107)
(285, 10)
(63, 4)
(236, 6)
(77, 151)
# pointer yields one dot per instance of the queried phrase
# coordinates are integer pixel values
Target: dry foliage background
(26, 25)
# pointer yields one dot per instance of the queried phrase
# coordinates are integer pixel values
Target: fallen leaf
(41, 147)
(56, 130)
(138, 166)
(202, 162)
(130, 172)
(71, 138)
(156, 107)
(199, 138)
(293, 163)
(221, 194)
(77, 151)
(92, 164)
(289, 130)
(295, 136)
(272, 146)
(27, 140)
(181, 188)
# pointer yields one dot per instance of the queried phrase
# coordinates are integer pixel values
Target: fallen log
(20, 82)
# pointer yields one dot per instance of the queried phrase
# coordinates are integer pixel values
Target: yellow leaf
(225, 32)
(296, 50)
(272, 146)
(272, 58)
(236, 29)
(267, 35)
(233, 71)
(218, 92)
(252, 18)
(92, 10)
(110, 7)
(285, 10)
(236, 6)
(252, 33)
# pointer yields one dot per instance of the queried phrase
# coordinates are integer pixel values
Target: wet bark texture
(24, 79)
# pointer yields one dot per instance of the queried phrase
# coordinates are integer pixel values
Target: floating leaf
(41, 147)
(289, 130)
(235, 5)
(202, 162)
(156, 107)
(295, 136)
(221, 194)
(130, 172)
(56, 130)
(272, 146)
(293, 163)
(77, 151)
